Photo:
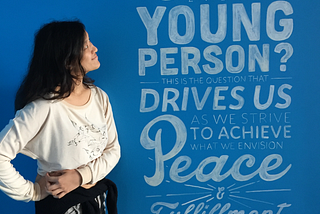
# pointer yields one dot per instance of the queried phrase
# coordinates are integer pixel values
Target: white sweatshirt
(60, 136)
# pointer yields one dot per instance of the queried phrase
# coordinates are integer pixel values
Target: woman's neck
(80, 94)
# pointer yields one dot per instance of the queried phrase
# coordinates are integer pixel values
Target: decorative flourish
(208, 192)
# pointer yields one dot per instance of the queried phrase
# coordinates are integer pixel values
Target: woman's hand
(59, 183)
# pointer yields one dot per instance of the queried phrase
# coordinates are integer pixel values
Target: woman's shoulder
(39, 107)
(97, 91)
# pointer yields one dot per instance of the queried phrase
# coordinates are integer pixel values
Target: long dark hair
(58, 49)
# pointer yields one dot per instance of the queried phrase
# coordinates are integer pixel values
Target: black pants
(85, 197)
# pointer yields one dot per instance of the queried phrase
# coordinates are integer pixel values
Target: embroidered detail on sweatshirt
(93, 139)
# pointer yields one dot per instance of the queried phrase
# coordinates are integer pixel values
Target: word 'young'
(239, 15)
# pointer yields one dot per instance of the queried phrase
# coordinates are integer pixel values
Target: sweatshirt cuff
(86, 174)
(37, 192)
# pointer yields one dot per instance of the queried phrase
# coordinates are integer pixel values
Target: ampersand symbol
(220, 193)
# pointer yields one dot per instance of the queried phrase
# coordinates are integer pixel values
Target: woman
(66, 123)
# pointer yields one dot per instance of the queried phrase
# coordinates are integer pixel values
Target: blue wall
(210, 121)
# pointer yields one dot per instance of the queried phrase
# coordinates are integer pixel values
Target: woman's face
(89, 59)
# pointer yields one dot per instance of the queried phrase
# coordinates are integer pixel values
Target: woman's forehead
(86, 36)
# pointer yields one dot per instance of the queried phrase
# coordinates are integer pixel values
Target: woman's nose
(94, 48)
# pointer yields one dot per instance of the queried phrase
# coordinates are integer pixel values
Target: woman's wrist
(86, 174)
(37, 192)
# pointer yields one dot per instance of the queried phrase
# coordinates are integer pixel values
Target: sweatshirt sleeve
(13, 138)
(102, 166)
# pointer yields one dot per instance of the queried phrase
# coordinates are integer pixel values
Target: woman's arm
(13, 138)
(102, 166)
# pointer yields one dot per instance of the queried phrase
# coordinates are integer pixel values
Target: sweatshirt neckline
(82, 106)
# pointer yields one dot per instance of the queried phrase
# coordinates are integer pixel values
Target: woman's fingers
(59, 183)
(58, 193)
(53, 186)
